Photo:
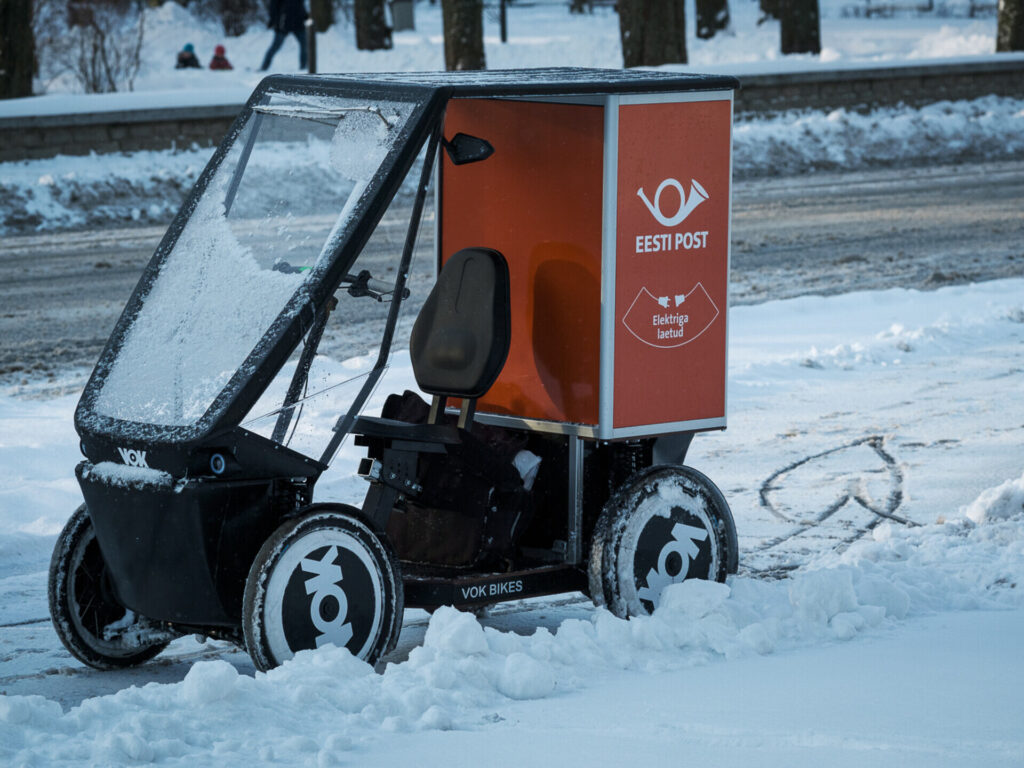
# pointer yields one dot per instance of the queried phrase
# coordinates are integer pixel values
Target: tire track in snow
(855, 507)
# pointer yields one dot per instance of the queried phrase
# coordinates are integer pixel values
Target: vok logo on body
(688, 203)
(133, 458)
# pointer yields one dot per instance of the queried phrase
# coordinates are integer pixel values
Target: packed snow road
(831, 233)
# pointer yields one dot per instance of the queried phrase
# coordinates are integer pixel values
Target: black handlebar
(363, 284)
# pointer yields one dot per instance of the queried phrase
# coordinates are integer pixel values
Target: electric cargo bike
(567, 339)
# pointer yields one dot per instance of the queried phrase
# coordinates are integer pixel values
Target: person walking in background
(286, 17)
(187, 58)
(220, 59)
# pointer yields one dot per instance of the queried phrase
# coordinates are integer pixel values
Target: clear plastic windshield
(349, 348)
(278, 205)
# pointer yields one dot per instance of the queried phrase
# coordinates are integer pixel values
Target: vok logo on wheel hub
(670, 550)
(331, 598)
(324, 585)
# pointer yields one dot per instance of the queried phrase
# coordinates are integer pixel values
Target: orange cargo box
(613, 213)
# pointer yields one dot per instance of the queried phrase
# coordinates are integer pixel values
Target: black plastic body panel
(181, 551)
(246, 455)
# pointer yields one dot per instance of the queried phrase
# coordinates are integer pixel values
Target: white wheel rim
(290, 559)
(668, 494)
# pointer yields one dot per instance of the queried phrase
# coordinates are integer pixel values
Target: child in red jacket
(219, 60)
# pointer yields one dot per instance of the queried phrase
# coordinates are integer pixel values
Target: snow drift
(325, 703)
(936, 375)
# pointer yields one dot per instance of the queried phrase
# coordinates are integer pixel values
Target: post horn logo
(687, 203)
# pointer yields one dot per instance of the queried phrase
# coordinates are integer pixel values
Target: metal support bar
(467, 412)
(344, 424)
(311, 46)
(396, 478)
(255, 121)
(574, 548)
(301, 375)
(437, 406)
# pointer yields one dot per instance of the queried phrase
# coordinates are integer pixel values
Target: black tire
(82, 601)
(667, 524)
(294, 598)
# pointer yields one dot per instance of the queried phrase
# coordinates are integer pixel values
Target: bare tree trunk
(769, 10)
(801, 26)
(1010, 33)
(17, 48)
(653, 32)
(712, 17)
(235, 15)
(372, 32)
(322, 12)
(463, 34)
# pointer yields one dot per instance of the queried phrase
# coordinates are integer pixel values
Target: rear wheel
(324, 578)
(89, 620)
(666, 525)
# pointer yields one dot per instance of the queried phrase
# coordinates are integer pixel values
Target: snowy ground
(545, 34)
(873, 461)
(884, 643)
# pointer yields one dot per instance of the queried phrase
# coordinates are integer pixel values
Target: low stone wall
(79, 134)
(855, 89)
(863, 89)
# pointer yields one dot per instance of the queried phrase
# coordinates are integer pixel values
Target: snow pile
(987, 128)
(1000, 503)
(949, 40)
(64, 192)
(324, 704)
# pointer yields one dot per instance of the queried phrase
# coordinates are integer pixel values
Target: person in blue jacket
(187, 58)
(286, 17)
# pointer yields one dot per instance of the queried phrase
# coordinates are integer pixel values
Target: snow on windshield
(262, 225)
(207, 309)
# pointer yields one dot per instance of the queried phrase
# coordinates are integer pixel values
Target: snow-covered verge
(328, 707)
(985, 128)
(880, 646)
(62, 192)
(66, 192)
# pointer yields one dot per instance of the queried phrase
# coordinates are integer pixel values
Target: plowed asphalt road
(61, 293)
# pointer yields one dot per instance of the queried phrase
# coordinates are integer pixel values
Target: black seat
(460, 339)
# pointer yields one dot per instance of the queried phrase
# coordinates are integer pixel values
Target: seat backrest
(460, 339)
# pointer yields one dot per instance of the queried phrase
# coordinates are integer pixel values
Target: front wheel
(666, 525)
(323, 578)
(89, 620)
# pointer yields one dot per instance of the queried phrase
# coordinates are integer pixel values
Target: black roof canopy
(511, 83)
